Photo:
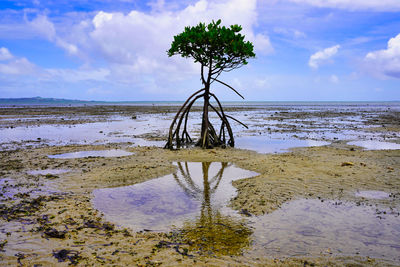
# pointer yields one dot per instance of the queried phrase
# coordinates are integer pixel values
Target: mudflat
(49, 218)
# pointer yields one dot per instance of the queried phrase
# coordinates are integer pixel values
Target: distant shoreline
(38, 101)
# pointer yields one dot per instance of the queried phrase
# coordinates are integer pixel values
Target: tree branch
(227, 85)
(202, 74)
(238, 121)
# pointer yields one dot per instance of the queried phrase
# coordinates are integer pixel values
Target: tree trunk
(204, 137)
(205, 142)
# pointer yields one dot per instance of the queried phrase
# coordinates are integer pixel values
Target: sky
(115, 50)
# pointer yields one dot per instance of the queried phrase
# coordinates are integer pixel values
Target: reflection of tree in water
(211, 232)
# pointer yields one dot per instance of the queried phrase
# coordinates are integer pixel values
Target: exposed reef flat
(48, 218)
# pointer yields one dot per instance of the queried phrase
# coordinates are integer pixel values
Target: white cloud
(334, 79)
(17, 66)
(5, 54)
(21, 66)
(70, 75)
(386, 62)
(322, 56)
(101, 18)
(261, 83)
(237, 83)
(14, 65)
(262, 44)
(70, 48)
(45, 28)
(374, 5)
(137, 41)
(292, 33)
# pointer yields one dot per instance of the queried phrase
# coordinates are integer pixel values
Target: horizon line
(160, 101)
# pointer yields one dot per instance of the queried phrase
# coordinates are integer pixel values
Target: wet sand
(62, 227)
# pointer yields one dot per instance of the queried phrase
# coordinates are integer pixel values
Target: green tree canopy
(221, 47)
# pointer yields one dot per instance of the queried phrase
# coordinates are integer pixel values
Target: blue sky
(307, 50)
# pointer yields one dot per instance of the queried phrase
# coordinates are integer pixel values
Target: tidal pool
(309, 227)
(195, 188)
(10, 189)
(375, 145)
(372, 194)
(48, 171)
(92, 153)
(262, 144)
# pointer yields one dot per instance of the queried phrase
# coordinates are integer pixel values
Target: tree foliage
(217, 48)
(222, 47)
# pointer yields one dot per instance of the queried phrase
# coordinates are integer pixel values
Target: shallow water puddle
(375, 145)
(262, 144)
(48, 171)
(195, 188)
(309, 227)
(9, 189)
(92, 153)
(115, 130)
(372, 194)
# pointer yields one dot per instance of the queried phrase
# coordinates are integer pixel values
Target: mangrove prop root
(171, 136)
(178, 132)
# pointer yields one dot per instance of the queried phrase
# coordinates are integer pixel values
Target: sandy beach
(49, 217)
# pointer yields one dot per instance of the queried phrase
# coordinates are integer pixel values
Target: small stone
(245, 212)
(53, 233)
(347, 163)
